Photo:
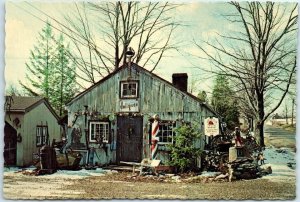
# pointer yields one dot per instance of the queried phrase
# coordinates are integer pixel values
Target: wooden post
(286, 114)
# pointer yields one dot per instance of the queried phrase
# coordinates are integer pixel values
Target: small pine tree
(63, 78)
(184, 152)
(41, 65)
(223, 101)
(51, 73)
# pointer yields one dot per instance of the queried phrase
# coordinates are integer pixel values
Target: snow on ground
(76, 173)
(279, 160)
(70, 174)
(210, 174)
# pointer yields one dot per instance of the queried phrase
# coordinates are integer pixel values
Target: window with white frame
(129, 89)
(41, 135)
(166, 132)
(99, 131)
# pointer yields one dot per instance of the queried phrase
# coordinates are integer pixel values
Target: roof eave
(15, 111)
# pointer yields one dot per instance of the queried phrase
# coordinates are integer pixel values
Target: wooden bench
(145, 163)
(133, 164)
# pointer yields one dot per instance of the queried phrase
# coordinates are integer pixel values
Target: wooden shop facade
(112, 120)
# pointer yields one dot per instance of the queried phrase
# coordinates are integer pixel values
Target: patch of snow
(11, 169)
(75, 174)
(18, 169)
(279, 159)
(70, 174)
(210, 174)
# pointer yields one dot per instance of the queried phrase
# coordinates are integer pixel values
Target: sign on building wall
(211, 126)
(129, 105)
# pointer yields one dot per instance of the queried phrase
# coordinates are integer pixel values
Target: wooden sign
(211, 126)
(129, 105)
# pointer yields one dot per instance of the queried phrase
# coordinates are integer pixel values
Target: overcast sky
(202, 19)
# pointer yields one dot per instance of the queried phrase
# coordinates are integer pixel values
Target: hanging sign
(129, 105)
(211, 126)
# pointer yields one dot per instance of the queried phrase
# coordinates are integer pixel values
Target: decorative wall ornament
(19, 138)
(17, 122)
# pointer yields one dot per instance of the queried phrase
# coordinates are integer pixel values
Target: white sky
(203, 20)
(22, 29)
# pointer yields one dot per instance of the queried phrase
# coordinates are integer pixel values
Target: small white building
(28, 122)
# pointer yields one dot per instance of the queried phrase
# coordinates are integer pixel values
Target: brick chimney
(180, 80)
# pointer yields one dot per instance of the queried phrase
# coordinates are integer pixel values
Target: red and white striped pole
(154, 139)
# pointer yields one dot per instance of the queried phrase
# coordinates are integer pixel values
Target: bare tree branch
(260, 57)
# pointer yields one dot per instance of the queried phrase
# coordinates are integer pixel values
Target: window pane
(166, 132)
(44, 134)
(38, 135)
(99, 130)
(129, 89)
(92, 132)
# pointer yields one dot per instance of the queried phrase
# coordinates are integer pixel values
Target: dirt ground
(120, 186)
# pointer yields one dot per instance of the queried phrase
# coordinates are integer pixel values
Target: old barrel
(48, 157)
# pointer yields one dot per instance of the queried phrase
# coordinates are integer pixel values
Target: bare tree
(102, 33)
(193, 85)
(12, 90)
(260, 57)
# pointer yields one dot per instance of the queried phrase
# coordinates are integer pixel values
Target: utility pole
(62, 79)
(286, 113)
(293, 103)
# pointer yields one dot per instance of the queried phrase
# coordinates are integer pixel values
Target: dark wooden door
(10, 145)
(130, 138)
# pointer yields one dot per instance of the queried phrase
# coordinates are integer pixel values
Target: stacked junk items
(55, 157)
(235, 157)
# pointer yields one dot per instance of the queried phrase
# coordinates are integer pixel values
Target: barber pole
(154, 139)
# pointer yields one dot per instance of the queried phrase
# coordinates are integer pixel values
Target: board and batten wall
(36, 116)
(156, 96)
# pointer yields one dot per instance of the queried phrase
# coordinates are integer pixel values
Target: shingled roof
(20, 103)
(25, 104)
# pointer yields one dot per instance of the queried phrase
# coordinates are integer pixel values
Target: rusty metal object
(242, 166)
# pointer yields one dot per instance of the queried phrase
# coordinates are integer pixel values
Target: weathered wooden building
(112, 120)
(28, 121)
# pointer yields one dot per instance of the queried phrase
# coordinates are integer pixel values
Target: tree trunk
(260, 128)
(261, 116)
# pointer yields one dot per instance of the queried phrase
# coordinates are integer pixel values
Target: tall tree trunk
(260, 128)
(261, 116)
